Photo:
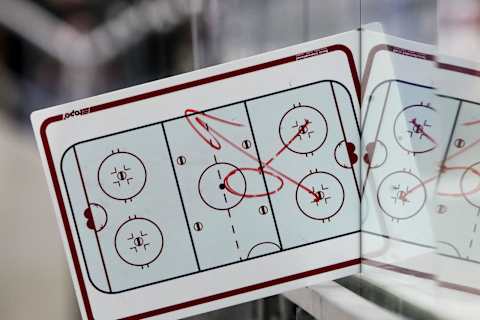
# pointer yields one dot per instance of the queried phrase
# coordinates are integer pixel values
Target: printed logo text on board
(76, 113)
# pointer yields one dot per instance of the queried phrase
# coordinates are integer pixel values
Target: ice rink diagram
(403, 146)
(217, 187)
(458, 201)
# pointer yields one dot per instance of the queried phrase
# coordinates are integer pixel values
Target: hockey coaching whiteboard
(211, 188)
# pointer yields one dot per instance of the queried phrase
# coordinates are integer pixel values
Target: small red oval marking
(253, 195)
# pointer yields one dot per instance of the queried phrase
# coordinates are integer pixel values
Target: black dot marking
(459, 143)
(263, 210)
(181, 160)
(246, 144)
(122, 175)
(441, 209)
(198, 226)
(138, 241)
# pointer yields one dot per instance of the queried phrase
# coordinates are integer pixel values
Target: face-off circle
(345, 154)
(401, 195)
(320, 195)
(122, 175)
(447, 248)
(96, 216)
(470, 184)
(263, 248)
(303, 129)
(416, 128)
(375, 154)
(139, 242)
(212, 189)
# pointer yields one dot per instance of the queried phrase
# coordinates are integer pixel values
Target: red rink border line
(238, 291)
(419, 274)
(116, 103)
(459, 287)
(393, 49)
(450, 67)
(398, 269)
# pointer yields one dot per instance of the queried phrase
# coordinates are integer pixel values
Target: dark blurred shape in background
(54, 51)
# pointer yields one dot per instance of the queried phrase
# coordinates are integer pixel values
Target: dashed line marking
(234, 232)
(475, 227)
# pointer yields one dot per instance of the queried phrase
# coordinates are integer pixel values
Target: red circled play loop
(230, 189)
(213, 141)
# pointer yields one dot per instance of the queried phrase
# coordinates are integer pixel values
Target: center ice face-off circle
(320, 195)
(139, 242)
(122, 175)
(303, 129)
(212, 188)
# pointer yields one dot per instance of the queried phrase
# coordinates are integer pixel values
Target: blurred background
(54, 51)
